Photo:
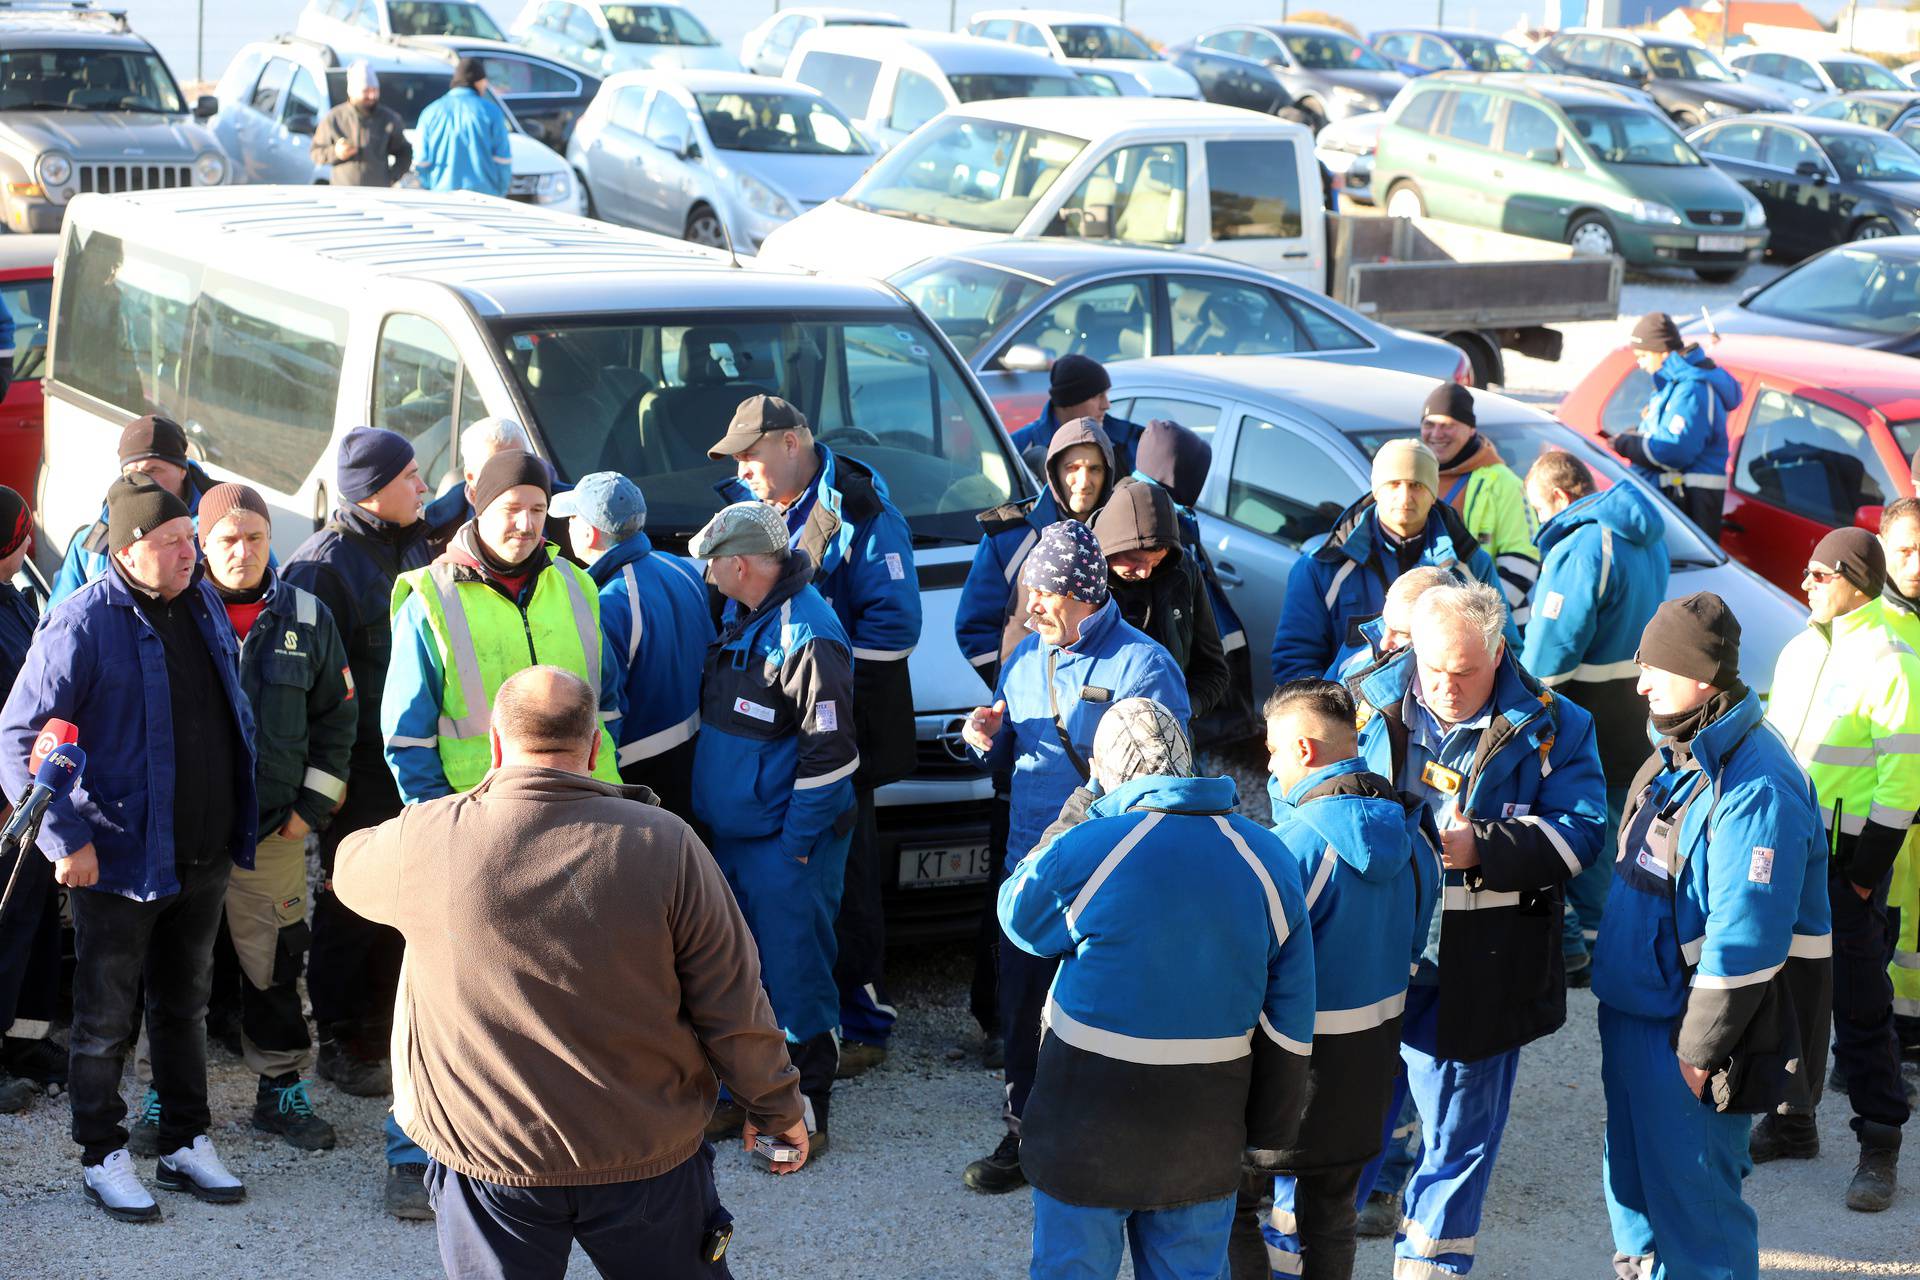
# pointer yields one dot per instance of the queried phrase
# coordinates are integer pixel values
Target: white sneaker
(197, 1170)
(114, 1186)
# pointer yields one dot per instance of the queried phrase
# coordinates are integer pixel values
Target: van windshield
(648, 398)
(981, 175)
(790, 123)
(1620, 135)
(87, 80)
(442, 18)
(655, 24)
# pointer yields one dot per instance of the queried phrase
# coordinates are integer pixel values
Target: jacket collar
(537, 782)
(357, 519)
(1714, 744)
(1322, 776)
(795, 574)
(1519, 710)
(1093, 631)
(629, 550)
(1357, 535)
(1169, 795)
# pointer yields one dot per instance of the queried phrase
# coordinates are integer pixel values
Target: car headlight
(54, 170)
(1756, 216)
(552, 188)
(1354, 98)
(1651, 211)
(209, 169)
(761, 198)
(1713, 108)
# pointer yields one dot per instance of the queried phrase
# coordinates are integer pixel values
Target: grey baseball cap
(743, 529)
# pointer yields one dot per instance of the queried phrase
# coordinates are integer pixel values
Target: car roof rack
(79, 13)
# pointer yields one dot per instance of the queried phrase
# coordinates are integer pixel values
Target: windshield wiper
(912, 216)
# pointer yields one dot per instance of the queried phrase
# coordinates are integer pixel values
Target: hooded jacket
(294, 671)
(1122, 435)
(1683, 429)
(1171, 606)
(86, 557)
(1368, 862)
(1110, 661)
(464, 144)
(1341, 581)
(862, 551)
(991, 619)
(1536, 799)
(1177, 1029)
(1603, 573)
(653, 611)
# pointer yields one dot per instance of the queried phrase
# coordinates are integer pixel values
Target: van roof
(1095, 117)
(953, 53)
(711, 81)
(503, 258)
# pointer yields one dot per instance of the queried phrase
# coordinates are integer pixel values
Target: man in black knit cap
(1077, 388)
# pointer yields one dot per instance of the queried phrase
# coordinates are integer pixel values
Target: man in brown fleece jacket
(576, 974)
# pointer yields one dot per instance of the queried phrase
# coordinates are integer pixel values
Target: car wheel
(703, 227)
(1485, 364)
(1405, 201)
(1592, 234)
(587, 210)
(1316, 115)
(1719, 275)
(1871, 229)
(1686, 119)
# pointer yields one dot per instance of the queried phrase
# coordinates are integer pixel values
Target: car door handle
(1228, 574)
(1298, 253)
(1498, 174)
(1731, 525)
(1432, 158)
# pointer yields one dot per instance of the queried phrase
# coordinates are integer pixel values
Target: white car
(712, 156)
(765, 49)
(1143, 171)
(1807, 80)
(602, 36)
(355, 22)
(1345, 148)
(1113, 57)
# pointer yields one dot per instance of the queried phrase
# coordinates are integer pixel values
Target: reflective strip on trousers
(1427, 1247)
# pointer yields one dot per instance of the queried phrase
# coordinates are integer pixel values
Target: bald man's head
(547, 717)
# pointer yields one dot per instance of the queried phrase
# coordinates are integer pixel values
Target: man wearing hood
(1080, 659)
(1178, 1030)
(1682, 441)
(365, 142)
(151, 446)
(1077, 387)
(1340, 581)
(1367, 857)
(465, 144)
(1603, 574)
(1476, 482)
(773, 773)
(1159, 589)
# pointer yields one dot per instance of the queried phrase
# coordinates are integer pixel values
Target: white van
(270, 320)
(889, 82)
(1146, 171)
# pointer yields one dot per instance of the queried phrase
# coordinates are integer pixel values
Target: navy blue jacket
(86, 557)
(653, 612)
(17, 621)
(1123, 435)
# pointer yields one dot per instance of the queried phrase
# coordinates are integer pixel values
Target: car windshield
(442, 18)
(1871, 157)
(787, 123)
(1847, 288)
(647, 397)
(971, 302)
(1851, 75)
(987, 86)
(1871, 112)
(1483, 54)
(1684, 62)
(982, 175)
(1520, 443)
(87, 80)
(1622, 135)
(655, 24)
(1100, 40)
(1331, 51)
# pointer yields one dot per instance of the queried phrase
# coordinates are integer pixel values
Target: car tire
(1685, 119)
(1592, 233)
(587, 208)
(1719, 275)
(1405, 201)
(1486, 364)
(1316, 115)
(704, 227)
(1871, 229)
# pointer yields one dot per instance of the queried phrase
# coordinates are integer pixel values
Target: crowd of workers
(529, 748)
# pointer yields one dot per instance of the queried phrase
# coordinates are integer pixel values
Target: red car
(1824, 436)
(26, 287)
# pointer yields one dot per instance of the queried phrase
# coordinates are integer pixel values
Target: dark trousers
(169, 943)
(984, 999)
(859, 968)
(670, 776)
(1864, 1045)
(1024, 980)
(1314, 1221)
(353, 968)
(29, 941)
(652, 1228)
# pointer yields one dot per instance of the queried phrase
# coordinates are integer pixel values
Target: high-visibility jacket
(1846, 697)
(477, 638)
(1905, 893)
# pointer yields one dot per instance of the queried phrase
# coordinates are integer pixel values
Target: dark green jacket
(293, 669)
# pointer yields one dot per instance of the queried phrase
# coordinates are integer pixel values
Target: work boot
(281, 1106)
(16, 1094)
(1580, 973)
(42, 1061)
(143, 1139)
(1379, 1217)
(993, 1055)
(857, 1057)
(726, 1120)
(998, 1173)
(406, 1193)
(352, 1074)
(1876, 1176)
(1784, 1137)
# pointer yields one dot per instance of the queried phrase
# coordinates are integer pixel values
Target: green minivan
(1543, 158)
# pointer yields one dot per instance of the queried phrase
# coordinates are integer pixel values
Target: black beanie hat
(369, 460)
(504, 471)
(1076, 379)
(1857, 556)
(136, 506)
(1656, 331)
(153, 437)
(1449, 400)
(1696, 636)
(16, 521)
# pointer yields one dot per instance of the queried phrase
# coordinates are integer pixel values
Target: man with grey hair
(365, 142)
(1512, 776)
(1178, 1030)
(446, 513)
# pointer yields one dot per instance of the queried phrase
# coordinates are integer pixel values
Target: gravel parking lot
(887, 1200)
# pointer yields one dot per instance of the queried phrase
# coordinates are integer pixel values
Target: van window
(1137, 194)
(1471, 119)
(123, 326)
(417, 381)
(846, 82)
(1253, 189)
(916, 100)
(648, 396)
(1418, 114)
(1529, 129)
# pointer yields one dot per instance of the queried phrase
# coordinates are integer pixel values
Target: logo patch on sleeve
(1760, 870)
(346, 673)
(1551, 606)
(895, 569)
(826, 716)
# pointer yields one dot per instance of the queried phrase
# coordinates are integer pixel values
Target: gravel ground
(887, 1200)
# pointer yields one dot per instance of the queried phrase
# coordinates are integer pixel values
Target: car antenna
(1707, 320)
(727, 236)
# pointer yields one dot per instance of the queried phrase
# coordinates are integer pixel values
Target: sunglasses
(1819, 577)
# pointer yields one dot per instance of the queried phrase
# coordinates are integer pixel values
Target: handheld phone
(774, 1151)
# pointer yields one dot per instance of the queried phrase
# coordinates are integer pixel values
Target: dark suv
(1684, 77)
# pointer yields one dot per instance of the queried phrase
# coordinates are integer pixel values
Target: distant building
(1705, 22)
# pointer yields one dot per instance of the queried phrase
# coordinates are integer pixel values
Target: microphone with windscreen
(57, 761)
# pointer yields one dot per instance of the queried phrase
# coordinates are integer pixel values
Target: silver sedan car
(1292, 447)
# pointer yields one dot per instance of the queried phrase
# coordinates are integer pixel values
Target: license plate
(1722, 244)
(929, 866)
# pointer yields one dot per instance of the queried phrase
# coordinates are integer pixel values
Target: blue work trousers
(1587, 892)
(1080, 1242)
(790, 907)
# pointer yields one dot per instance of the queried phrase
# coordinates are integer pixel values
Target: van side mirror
(206, 107)
(1544, 155)
(1024, 357)
(1868, 518)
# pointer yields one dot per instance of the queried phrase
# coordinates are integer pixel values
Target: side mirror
(1024, 357)
(1868, 518)
(1746, 296)
(206, 107)
(1544, 155)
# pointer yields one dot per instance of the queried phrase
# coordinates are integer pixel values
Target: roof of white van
(953, 53)
(504, 258)
(1093, 117)
(1046, 17)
